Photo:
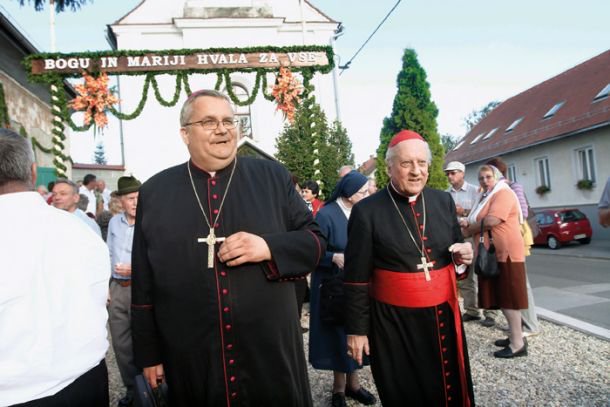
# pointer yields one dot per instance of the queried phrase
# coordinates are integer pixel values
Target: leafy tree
(414, 110)
(60, 5)
(448, 142)
(311, 149)
(99, 156)
(477, 115)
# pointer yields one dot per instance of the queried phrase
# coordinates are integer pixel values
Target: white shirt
(106, 198)
(88, 221)
(467, 196)
(91, 206)
(54, 273)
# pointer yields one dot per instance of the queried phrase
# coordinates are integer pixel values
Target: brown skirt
(508, 290)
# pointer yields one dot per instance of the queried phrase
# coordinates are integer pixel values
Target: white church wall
(152, 141)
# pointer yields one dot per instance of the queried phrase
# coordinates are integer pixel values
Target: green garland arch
(60, 106)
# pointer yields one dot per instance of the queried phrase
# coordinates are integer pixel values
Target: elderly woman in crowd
(327, 341)
(499, 211)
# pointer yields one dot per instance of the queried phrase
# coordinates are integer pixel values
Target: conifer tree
(99, 156)
(413, 109)
(310, 149)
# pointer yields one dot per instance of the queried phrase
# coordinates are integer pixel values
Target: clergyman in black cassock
(226, 335)
(400, 286)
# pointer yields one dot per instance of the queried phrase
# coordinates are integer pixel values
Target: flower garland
(94, 98)
(287, 93)
(5, 121)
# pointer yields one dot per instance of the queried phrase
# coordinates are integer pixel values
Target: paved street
(573, 281)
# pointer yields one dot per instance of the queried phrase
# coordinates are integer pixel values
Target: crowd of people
(200, 274)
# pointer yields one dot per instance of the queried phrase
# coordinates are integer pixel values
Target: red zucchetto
(405, 135)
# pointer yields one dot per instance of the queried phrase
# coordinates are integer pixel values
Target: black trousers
(90, 389)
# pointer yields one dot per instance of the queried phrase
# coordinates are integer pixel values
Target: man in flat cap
(120, 240)
(404, 250)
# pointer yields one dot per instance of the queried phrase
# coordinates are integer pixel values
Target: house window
(603, 94)
(512, 173)
(458, 145)
(242, 113)
(542, 172)
(477, 138)
(553, 110)
(514, 124)
(491, 133)
(586, 164)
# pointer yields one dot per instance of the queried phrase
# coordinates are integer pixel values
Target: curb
(577, 255)
(573, 323)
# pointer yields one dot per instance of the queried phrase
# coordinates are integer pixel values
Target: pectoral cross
(211, 240)
(424, 265)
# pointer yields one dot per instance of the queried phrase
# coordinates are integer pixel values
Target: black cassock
(414, 350)
(228, 335)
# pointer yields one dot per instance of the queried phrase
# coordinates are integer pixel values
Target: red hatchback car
(562, 226)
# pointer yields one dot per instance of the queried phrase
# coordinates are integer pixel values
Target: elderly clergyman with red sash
(404, 252)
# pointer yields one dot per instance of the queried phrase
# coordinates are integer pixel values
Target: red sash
(413, 291)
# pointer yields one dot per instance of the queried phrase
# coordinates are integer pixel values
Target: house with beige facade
(555, 138)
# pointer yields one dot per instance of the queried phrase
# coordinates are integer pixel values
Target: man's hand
(242, 247)
(123, 269)
(339, 260)
(154, 375)
(462, 253)
(459, 210)
(357, 346)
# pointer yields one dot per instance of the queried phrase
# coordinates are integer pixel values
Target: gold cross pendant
(424, 265)
(211, 240)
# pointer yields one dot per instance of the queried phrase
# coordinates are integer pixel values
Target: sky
(473, 52)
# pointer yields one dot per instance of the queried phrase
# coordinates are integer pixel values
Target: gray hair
(16, 159)
(68, 182)
(390, 153)
(187, 107)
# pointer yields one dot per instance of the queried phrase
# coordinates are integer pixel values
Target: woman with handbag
(498, 217)
(327, 338)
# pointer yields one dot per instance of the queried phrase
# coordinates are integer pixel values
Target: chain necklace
(211, 238)
(424, 265)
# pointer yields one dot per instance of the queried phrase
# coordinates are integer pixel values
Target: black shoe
(338, 400)
(503, 343)
(507, 352)
(126, 401)
(488, 322)
(468, 317)
(362, 395)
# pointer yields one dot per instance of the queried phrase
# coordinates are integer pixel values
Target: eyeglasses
(212, 124)
(486, 177)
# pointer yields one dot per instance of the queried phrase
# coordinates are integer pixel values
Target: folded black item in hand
(146, 396)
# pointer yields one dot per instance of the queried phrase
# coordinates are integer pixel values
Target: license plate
(581, 236)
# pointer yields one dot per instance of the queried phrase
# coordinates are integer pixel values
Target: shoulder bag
(486, 263)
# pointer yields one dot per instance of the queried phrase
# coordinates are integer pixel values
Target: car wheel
(553, 243)
(586, 240)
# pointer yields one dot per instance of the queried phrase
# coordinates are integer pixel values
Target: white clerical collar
(411, 198)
